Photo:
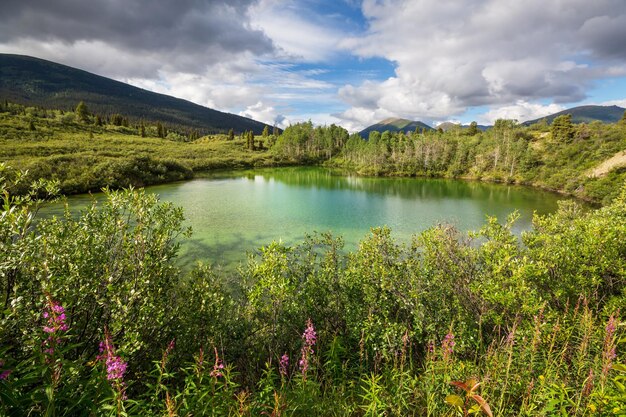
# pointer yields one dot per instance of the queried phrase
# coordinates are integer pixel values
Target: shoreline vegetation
(97, 319)
(87, 152)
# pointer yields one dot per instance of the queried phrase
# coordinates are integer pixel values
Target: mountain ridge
(38, 82)
(394, 124)
(585, 114)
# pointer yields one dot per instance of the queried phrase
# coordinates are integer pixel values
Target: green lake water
(232, 213)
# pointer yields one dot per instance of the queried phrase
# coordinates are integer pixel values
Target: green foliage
(89, 157)
(82, 112)
(537, 322)
(562, 129)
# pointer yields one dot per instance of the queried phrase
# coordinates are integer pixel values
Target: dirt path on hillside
(617, 160)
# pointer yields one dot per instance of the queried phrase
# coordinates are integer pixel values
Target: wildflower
(309, 335)
(283, 365)
(168, 350)
(4, 374)
(447, 345)
(115, 365)
(217, 367)
(54, 313)
(608, 352)
(309, 338)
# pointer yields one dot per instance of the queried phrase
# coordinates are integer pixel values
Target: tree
(473, 129)
(266, 131)
(142, 130)
(160, 130)
(623, 120)
(562, 129)
(231, 134)
(98, 120)
(82, 112)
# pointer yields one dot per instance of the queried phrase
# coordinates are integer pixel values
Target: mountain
(445, 126)
(37, 82)
(394, 125)
(586, 114)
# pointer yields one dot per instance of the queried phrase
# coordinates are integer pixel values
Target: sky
(348, 62)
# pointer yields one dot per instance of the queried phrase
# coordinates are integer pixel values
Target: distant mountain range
(586, 114)
(580, 114)
(37, 82)
(394, 125)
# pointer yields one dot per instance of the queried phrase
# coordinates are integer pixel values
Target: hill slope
(38, 82)
(586, 114)
(394, 125)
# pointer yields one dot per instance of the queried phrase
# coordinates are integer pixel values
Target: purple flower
(218, 366)
(115, 365)
(309, 338)
(116, 368)
(608, 351)
(4, 374)
(447, 345)
(283, 365)
(54, 314)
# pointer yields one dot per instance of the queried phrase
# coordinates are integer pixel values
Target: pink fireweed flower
(168, 350)
(608, 352)
(54, 313)
(283, 365)
(217, 367)
(309, 338)
(115, 365)
(4, 374)
(447, 345)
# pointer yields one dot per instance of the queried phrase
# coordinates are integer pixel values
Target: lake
(236, 212)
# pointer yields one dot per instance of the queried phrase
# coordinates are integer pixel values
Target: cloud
(450, 55)
(186, 35)
(295, 31)
(521, 111)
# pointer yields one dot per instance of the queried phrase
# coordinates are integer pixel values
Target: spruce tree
(82, 112)
(231, 134)
(562, 129)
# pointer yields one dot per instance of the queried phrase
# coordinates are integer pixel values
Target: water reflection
(233, 213)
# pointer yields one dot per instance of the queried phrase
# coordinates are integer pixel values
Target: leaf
(460, 384)
(619, 367)
(454, 400)
(483, 404)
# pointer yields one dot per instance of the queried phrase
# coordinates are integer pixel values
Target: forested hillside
(37, 82)
(559, 157)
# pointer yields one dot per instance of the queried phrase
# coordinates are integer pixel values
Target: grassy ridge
(85, 157)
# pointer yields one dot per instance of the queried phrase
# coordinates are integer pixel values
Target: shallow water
(236, 212)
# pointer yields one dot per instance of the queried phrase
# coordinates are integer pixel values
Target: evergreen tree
(98, 120)
(142, 130)
(473, 129)
(231, 134)
(82, 112)
(275, 131)
(160, 130)
(623, 119)
(266, 131)
(562, 129)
